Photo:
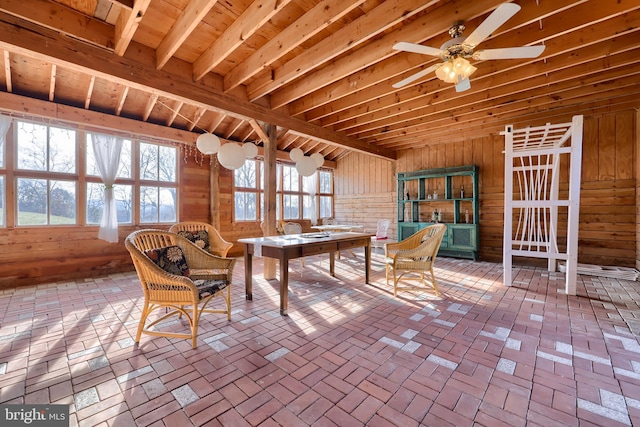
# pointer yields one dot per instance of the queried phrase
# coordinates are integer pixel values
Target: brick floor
(347, 354)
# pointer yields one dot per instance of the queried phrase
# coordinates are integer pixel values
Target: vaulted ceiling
(321, 71)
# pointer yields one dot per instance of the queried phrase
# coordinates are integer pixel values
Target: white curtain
(106, 149)
(5, 121)
(311, 183)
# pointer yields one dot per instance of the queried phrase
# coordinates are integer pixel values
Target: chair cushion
(198, 237)
(171, 259)
(209, 287)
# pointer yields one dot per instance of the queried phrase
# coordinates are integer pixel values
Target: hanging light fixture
(208, 143)
(455, 70)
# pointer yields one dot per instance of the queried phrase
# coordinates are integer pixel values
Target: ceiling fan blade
(463, 85)
(417, 48)
(416, 76)
(509, 53)
(498, 17)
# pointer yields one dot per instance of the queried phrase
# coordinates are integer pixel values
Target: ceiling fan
(455, 67)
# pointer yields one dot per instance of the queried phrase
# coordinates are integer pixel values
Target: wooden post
(269, 226)
(214, 202)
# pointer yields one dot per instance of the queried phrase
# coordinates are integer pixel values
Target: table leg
(367, 262)
(248, 273)
(332, 264)
(284, 285)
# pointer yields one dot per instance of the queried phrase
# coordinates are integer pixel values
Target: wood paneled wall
(608, 218)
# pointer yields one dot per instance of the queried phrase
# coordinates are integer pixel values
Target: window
(53, 186)
(46, 184)
(123, 189)
(295, 199)
(158, 165)
(246, 194)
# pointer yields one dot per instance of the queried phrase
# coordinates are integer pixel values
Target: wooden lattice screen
(532, 202)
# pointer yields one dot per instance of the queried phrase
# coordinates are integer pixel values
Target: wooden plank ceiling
(321, 70)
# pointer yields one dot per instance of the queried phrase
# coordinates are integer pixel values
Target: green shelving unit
(445, 195)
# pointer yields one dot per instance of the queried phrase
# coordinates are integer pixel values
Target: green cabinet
(446, 195)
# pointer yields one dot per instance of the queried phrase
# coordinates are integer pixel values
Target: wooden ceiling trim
(43, 44)
(127, 24)
(251, 20)
(259, 130)
(150, 104)
(311, 23)
(348, 37)
(175, 110)
(189, 19)
(63, 19)
(196, 118)
(438, 22)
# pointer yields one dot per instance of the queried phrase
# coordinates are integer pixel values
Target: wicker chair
(175, 273)
(414, 255)
(204, 235)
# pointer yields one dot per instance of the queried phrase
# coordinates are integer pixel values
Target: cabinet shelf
(427, 195)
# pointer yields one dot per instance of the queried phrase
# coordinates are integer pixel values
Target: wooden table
(284, 248)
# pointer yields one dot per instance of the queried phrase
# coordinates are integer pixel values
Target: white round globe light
(208, 143)
(318, 159)
(296, 154)
(250, 150)
(306, 166)
(231, 156)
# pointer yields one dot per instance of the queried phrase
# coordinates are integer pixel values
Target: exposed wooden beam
(44, 44)
(61, 18)
(348, 37)
(197, 117)
(153, 99)
(87, 100)
(438, 20)
(123, 97)
(7, 70)
(262, 134)
(251, 20)
(308, 25)
(127, 24)
(191, 16)
(52, 82)
(174, 112)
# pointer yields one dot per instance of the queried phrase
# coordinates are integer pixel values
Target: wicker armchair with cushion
(178, 275)
(203, 235)
(414, 256)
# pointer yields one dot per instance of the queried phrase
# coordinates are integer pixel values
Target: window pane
(291, 206)
(326, 210)
(245, 206)
(62, 150)
(32, 146)
(246, 175)
(32, 201)
(148, 204)
(308, 207)
(290, 178)
(168, 211)
(148, 161)
(167, 163)
(325, 182)
(95, 203)
(2, 209)
(124, 169)
(62, 202)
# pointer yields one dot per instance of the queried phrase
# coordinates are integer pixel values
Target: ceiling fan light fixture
(455, 70)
